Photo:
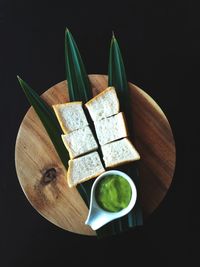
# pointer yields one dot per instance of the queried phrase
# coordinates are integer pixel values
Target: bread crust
(68, 148)
(120, 163)
(131, 144)
(125, 124)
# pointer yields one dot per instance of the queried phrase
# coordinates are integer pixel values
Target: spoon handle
(96, 219)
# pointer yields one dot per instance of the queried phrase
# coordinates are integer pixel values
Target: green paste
(113, 193)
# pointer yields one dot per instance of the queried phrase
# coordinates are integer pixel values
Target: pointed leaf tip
(20, 80)
(113, 35)
(78, 82)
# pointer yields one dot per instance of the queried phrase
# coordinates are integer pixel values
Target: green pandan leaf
(117, 78)
(78, 82)
(79, 90)
(48, 119)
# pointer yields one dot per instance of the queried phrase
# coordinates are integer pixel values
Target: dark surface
(160, 46)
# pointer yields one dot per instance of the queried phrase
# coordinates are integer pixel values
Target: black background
(160, 45)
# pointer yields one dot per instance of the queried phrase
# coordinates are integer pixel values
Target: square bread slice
(104, 104)
(119, 152)
(79, 142)
(111, 129)
(84, 168)
(71, 116)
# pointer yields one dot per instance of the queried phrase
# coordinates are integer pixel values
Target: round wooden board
(35, 156)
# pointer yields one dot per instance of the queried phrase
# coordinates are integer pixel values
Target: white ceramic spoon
(97, 216)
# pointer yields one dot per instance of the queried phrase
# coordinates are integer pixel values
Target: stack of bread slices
(110, 126)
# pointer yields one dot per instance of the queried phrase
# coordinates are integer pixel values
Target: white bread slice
(71, 116)
(84, 168)
(79, 142)
(119, 152)
(103, 105)
(111, 129)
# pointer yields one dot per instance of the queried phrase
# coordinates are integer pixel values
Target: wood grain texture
(43, 177)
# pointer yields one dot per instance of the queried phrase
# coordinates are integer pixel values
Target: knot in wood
(49, 176)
